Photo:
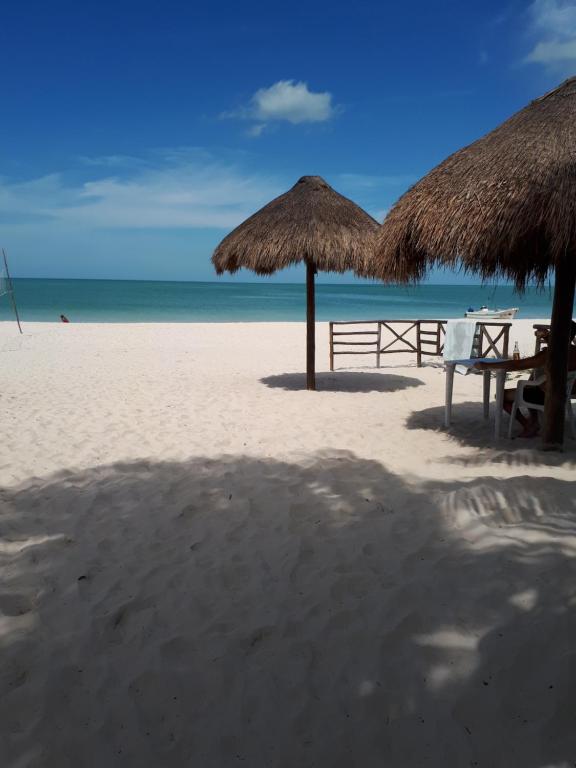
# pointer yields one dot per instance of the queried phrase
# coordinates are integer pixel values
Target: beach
(203, 564)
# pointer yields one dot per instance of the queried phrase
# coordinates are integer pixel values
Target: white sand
(201, 568)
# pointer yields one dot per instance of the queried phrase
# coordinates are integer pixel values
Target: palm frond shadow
(329, 607)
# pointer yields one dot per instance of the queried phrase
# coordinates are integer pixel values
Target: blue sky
(134, 135)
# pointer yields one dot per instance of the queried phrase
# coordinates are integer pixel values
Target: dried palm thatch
(310, 222)
(505, 205)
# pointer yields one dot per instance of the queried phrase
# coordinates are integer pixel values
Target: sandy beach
(205, 565)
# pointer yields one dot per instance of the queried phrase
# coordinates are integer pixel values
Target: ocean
(135, 301)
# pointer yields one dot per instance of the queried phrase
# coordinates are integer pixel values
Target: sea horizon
(269, 280)
(140, 301)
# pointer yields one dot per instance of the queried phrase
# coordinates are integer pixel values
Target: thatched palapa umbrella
(310, 223)
(505, 205)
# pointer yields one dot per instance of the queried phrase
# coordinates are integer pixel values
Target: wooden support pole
(331, 346)
(557, 362)
(506, 343)
(310, 327)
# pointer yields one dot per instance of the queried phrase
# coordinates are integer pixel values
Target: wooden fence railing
(418, 337)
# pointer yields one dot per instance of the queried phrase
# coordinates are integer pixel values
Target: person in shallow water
(64, 319)
(533, 394)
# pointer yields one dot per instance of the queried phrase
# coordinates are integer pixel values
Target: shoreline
(105, 323)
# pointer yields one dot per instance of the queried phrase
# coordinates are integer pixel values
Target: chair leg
(512, 419)
(570, 417)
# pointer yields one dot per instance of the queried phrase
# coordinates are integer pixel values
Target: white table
(450, 366)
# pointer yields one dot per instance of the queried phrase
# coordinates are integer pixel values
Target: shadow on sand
(385, 365)
(470, 429)
(235, 610)
(343, 381)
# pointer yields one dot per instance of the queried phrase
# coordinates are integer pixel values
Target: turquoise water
(151, 301)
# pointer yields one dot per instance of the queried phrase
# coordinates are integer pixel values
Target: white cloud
(172, 189)
(553, 52)
(175, 188)
(553, 27)
(554, 17)
(175, 191)
(285, 101)
(156, 215)
(256, 129)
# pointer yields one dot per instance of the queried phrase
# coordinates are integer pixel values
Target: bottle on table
(516, 353)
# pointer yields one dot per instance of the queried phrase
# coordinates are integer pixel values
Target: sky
(135, 134)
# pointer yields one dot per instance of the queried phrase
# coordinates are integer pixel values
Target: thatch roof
(311, 221)
(505, 205)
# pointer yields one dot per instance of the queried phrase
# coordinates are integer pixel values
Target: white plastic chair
(519, 401)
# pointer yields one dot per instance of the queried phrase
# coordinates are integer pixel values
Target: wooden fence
(417, 337)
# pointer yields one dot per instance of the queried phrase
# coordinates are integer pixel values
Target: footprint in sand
(190, 510)
(254, 641)
(15, 604)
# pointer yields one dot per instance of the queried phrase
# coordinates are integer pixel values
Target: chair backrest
(570, 381)
(492, 339)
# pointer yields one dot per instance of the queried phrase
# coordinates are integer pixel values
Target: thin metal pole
(11, 289)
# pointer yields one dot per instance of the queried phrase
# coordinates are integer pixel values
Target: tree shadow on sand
(327, 613)
(470, 429)
(343, 381)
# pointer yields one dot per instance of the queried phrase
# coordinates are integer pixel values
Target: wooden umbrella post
(310, 327)
(557, 363)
